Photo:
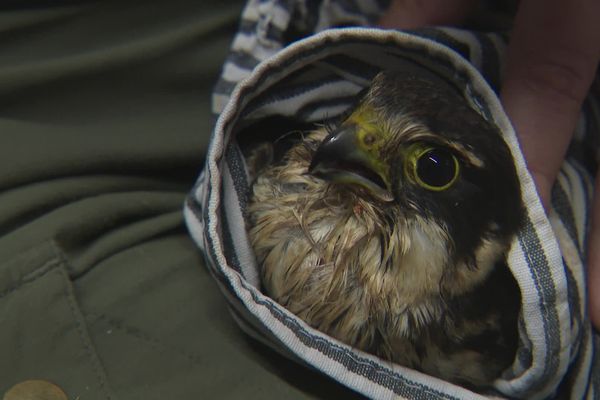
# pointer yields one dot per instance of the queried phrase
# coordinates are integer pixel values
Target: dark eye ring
(433, 168)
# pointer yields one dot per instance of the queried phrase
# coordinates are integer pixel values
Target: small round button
(35, 390)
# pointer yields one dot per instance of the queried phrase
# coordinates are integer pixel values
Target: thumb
(552, 59)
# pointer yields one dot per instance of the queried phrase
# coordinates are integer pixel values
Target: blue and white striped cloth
(285, 61)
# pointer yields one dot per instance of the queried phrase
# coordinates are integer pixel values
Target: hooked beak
(344, 158)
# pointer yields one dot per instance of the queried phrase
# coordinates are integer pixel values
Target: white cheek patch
(421, 267)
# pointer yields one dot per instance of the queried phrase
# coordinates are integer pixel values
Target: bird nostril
(369, 139)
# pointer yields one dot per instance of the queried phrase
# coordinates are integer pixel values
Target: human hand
(552, 58)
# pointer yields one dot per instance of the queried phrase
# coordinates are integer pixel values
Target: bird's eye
(433, 168)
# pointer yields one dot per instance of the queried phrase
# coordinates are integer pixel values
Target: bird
(389, 229)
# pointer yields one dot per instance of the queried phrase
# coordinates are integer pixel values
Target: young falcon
(389, 231)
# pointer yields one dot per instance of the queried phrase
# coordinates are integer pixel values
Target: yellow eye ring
(431, 167)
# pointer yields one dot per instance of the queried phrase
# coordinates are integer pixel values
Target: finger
(594, 259)
(412, 14)
(552, 59)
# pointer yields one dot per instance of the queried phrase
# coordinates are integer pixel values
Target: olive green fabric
(104, 121)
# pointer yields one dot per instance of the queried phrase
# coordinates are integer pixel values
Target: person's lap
(104, 121)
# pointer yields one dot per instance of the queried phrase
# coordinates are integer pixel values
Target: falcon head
(415, 147)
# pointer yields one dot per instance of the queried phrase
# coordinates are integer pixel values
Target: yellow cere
(371, 137)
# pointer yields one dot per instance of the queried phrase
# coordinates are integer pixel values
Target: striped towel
(286, 61)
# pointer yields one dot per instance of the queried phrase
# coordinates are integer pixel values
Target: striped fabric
(315, 78)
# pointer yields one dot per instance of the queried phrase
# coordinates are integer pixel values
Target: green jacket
(104, 122)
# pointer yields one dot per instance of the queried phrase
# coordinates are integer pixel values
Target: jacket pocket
(43, 334)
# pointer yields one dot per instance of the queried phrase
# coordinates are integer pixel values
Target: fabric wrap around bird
(360, 229)
(366, 211)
